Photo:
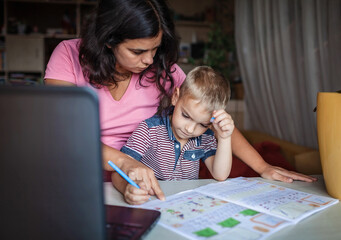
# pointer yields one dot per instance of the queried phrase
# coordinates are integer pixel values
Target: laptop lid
(50, 164)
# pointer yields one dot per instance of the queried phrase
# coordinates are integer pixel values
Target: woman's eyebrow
(137, 49)
(143, 50)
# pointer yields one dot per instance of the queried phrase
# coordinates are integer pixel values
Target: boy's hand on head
(223, 124)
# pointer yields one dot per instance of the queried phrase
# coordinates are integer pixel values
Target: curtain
(288, 51)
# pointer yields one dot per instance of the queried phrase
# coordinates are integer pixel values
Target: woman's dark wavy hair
(115, 21)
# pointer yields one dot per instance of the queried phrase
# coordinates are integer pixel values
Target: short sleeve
(210, 144)
(178, 75)
(138, 143)
(63, 62)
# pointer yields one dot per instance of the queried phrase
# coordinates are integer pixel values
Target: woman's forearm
(242, 149)
(118, 182)
(114, 155)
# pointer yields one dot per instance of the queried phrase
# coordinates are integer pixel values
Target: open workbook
(239, 208)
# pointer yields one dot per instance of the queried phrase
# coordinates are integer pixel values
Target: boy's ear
(175, 96)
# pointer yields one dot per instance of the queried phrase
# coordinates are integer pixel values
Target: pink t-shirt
(118, 119)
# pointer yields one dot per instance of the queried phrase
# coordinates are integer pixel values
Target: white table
(322, 225)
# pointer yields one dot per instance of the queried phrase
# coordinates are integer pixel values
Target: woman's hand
(280, 174)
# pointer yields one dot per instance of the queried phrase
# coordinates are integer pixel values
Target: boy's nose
(190, 127)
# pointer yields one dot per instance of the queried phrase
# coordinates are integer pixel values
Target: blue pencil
(123, 174)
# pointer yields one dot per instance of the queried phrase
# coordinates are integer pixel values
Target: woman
(127, 53)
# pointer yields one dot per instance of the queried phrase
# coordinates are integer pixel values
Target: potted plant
(220, 54)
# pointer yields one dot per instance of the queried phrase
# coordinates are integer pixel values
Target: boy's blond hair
(208, 86)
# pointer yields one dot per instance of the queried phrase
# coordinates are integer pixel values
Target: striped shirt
(154, 144)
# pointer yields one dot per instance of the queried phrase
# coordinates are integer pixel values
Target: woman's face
(136, 55)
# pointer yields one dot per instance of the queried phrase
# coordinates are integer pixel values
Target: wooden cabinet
(25, 53)
(31, 30)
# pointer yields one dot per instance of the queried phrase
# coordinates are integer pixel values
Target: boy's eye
(185, 116)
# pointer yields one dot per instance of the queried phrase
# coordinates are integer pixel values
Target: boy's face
(190, 117)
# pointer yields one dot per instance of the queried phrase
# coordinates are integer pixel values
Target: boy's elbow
(221, 178)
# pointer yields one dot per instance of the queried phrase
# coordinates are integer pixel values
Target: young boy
(173, 141)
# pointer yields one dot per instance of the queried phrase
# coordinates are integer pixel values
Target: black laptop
(51, 169)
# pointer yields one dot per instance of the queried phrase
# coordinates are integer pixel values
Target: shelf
(24, 78)
(41, 35)
(193, 24)
(34, 28)
(57, 1)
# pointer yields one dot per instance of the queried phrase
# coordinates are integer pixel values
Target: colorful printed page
(239, 208)
(200, 216)
(272, 199)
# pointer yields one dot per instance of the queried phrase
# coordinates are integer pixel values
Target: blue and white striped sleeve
(138, 143)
